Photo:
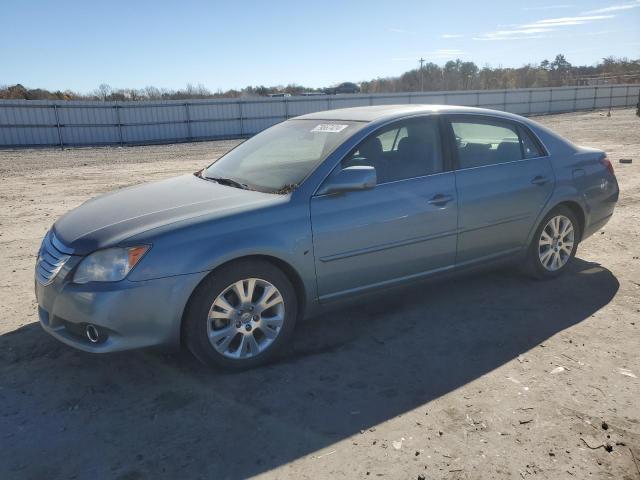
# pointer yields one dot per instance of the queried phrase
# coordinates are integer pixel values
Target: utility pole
(421, 74)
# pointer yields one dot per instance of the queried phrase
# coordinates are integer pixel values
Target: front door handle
(539, 180)
(440, 200)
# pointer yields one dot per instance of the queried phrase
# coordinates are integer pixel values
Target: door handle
(440, 200)
(539, 180)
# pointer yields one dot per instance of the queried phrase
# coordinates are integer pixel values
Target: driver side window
(406, 149)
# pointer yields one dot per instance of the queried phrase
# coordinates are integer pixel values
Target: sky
(80, 44)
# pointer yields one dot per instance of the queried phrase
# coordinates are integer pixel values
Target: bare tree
(104, 90)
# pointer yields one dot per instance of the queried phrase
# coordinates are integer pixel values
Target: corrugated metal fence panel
(602, 97)
(619, 96)
(463, 98)
(434, 100)
(562, 100)
(584, 98)
(89, 135)
(42, 122)
(307, 105)
(214, 120)
(23, 115)
(88, 124)
(540, 101)
(339, 102)
(32, 136)
(633, 94)
(518, 102)
(23, 124)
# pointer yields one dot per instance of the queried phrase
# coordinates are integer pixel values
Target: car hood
(112, 218)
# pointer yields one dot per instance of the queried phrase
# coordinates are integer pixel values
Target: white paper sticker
(329, 128)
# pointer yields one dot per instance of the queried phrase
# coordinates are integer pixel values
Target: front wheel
(554, 244)
(241, 315)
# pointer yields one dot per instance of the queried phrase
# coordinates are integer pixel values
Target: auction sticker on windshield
(329, 128)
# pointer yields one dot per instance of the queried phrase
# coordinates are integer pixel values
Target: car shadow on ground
(146, 414)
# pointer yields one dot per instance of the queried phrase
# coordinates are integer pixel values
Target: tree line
(453, 75)
(460, 75)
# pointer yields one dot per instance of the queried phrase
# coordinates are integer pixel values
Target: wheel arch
(569, 202)
(577, 210)
(286, 268)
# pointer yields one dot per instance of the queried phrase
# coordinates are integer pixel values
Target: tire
(553, 265)
(209, 316)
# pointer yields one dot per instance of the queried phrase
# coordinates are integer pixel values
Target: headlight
(109, 265)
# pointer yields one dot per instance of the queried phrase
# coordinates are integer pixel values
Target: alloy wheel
(556, 243)
(245, 318)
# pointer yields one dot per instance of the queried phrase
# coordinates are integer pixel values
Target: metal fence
(75, 123)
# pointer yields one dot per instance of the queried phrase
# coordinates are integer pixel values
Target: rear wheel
(241, 315)
(554, 244)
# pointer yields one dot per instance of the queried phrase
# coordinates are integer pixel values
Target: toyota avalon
(316, 209)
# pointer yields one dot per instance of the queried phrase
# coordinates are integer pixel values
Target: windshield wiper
(228, 181)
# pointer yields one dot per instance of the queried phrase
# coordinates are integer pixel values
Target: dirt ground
(492, 376)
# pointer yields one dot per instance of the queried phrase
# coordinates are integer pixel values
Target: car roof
(391, 112)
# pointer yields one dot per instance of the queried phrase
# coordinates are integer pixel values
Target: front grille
(53, 255)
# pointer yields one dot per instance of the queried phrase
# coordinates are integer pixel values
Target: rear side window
(482, 142)
(529, 146)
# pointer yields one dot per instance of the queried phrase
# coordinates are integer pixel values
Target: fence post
(117, 107)
(286, 109)
(550, 100)
(328, 103)
(610, 97)
(530, 102)
(55, 110)
(241, 118)
(575, 99)
(370, 99)
(504, 101)
(626, 97)
(188, 117)
(477, 99)
(595, 96)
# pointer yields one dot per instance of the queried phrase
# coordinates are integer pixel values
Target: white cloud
(451, 35)
(614, 8)
(564, 21)
(538, 28)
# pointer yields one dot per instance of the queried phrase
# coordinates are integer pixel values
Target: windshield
(279, 158)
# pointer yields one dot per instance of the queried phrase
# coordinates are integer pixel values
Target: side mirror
(350, 179)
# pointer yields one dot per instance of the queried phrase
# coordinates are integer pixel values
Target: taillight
(608, 165)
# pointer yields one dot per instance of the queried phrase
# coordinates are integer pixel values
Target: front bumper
(128, 314)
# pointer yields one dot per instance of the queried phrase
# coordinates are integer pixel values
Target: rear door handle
(539, 180)
(440, 200)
